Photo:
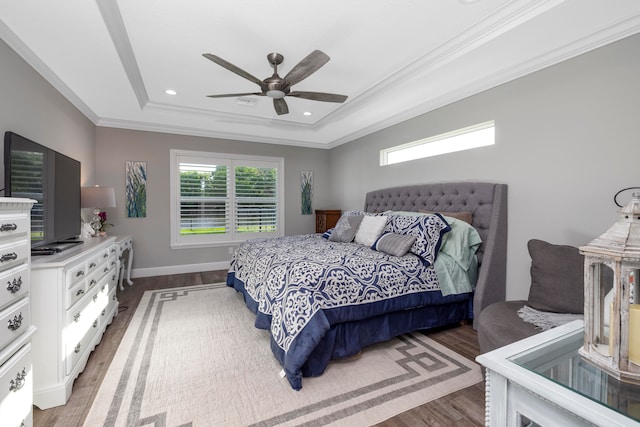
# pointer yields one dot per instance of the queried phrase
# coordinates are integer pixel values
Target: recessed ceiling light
(307, 113)
(170, 92)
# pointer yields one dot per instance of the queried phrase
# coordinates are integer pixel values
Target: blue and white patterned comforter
(299, 286)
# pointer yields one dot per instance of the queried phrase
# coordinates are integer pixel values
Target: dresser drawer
(113, 301)
(75, 274)
(14, 284)
(16, 389)
(13, 226)
(93, 263)
(14, 320)
(14, 254)
(76, 348)
(75, 294)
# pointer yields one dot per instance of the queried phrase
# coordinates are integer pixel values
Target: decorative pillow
(394, 244)
(462, 216)
(428, 230)
(405, 213)
(327, 233)
(370, 229)
(461, 243)
(346, 228)
(557, 277)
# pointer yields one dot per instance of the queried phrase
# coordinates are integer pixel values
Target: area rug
(192, 357)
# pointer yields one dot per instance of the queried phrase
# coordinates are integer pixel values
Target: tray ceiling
(394, 60)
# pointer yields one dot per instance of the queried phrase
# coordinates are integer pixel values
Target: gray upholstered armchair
(557, 287)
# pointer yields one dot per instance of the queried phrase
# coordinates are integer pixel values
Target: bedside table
(326, 219)
(542, 380)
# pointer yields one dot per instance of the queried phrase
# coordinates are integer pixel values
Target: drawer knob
(93, 264)
(76, 317)
(93, 282)
(95, 323)
(16, 322)
(80, 273)
(77, 349)
(8, 227)
(14, 285)
(18, 383)
(9, 257)
(80, 292)
(104, 311)
(95, 298)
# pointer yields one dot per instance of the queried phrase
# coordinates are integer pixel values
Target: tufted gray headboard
(488, 203)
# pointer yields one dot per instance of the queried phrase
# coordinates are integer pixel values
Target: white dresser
(16, 378)
(73, 301)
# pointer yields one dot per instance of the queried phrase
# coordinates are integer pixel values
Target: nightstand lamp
(612, 296)
(97, 197)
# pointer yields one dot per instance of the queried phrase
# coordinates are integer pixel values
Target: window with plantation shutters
(28, 170)
(222, 199)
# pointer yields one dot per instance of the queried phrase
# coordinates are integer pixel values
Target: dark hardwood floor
(462, 408)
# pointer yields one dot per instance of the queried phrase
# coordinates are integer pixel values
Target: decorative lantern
(612, 297)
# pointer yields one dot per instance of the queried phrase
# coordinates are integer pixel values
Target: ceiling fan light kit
(278, 88)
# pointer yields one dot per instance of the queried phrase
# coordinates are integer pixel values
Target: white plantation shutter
(255, 199)
(204, 199)
(28, 169)
(224, 199)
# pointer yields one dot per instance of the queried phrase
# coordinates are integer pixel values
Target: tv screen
(50, 178)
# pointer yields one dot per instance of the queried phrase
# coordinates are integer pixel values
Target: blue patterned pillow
(428, 230)
(327, 233)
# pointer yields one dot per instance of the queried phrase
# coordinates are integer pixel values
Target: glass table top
(560, 362)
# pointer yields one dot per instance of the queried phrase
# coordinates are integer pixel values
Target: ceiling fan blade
(231, 95)
(319, 96)
(239, 71)
(306, 67)
(281, 106)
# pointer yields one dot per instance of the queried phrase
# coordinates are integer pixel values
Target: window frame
(437, 145)
(231, 238)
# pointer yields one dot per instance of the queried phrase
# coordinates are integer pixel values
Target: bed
(323, 298)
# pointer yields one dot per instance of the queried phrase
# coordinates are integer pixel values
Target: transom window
(475, 136)
(221, 199)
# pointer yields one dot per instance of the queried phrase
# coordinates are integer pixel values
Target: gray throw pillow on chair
(557, 277)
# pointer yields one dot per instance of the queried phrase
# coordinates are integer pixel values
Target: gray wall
(31, 107)
(153, 254)
(566, 142)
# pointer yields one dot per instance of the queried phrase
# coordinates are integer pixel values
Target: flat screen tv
(52, 179)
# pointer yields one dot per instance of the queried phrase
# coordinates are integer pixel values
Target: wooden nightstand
(326, 219)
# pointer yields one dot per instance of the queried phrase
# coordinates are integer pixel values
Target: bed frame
(488, 203)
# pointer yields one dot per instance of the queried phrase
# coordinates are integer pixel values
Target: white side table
(543, 381)
(124, 243)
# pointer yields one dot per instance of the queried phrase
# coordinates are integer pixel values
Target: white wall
(566, 142)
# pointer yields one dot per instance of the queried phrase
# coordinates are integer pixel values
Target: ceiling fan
(277, 87)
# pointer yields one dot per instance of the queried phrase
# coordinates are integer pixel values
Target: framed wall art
(306, 191)
(136, 191)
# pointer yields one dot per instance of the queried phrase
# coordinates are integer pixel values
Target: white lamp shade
(98, 197)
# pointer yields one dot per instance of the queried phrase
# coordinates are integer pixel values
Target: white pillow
(370, 229)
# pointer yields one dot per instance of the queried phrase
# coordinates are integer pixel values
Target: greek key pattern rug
(192, 357)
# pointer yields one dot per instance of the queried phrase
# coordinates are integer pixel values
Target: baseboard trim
(179, 269)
